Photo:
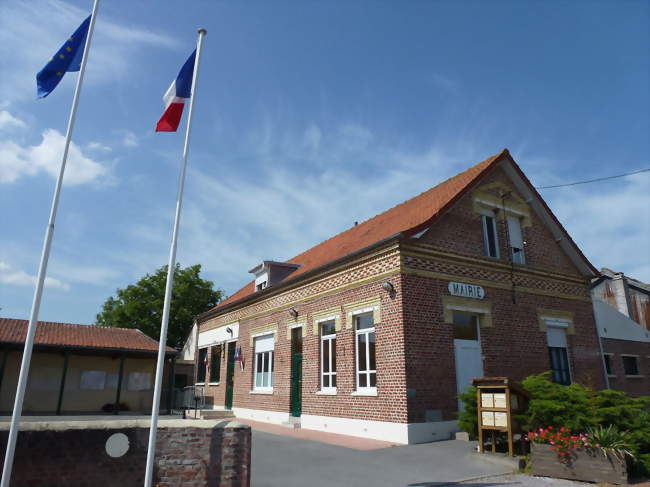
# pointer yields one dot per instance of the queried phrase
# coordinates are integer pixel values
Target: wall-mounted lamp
(293, 312)
(229, 330)
(388, 287)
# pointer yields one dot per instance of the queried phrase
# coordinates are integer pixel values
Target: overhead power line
(594, 180)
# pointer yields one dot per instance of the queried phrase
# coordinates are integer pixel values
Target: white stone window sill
(214, 383)
(365, 392)
(326, 392)
(634, 376)
(268, 392)
(199, 384)
(611, 376)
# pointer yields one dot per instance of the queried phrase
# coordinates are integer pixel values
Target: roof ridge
(490, 159)
(407, 216)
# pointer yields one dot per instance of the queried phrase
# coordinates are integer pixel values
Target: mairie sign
(466, 290)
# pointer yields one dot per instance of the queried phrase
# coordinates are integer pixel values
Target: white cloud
(7, 120)
(609, 222)
(114, 45)
(98, 146)
(17, 277)
(17, 161)
(130, 139)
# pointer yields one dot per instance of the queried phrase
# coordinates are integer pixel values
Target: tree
(140, 305)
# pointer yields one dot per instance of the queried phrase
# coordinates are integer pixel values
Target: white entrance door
(467, 351)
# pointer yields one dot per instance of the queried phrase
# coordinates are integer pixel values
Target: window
(365, 350)
(261, 285)
(630, 365)
(202, 366)
(490, 236)
(608, 363)
(215, 363)
(465, 326)
(264, 362)
(516, 240)
(328, 355)
(559, 357)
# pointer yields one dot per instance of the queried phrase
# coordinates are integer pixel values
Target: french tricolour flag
(175, 97)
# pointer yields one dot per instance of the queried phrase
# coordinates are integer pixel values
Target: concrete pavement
(288, 461)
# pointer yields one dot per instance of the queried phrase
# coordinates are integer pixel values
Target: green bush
(578, 408)
(468, 417)
(553, 404)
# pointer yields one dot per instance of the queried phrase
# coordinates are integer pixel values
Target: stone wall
(189, 453)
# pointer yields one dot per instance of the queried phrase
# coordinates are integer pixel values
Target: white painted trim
(296, 325)
(268, 392)
(368, 391)
(214, 383)
(327, 392)
(630, 355)
(275, 417)
(402, 433)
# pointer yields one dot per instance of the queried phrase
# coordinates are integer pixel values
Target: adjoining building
(375, 331)
(622, 311)
(80, 369)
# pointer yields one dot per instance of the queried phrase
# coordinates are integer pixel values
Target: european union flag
(68, 58)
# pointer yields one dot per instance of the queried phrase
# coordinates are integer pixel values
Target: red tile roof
(78, 336)
(410, 216)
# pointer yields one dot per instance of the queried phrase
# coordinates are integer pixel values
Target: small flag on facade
(239, 358)
(175, 97)
(67, 59)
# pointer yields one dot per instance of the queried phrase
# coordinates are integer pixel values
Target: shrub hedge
(576, 407)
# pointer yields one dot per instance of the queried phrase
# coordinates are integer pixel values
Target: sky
(309, 116)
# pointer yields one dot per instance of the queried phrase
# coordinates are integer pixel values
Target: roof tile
(78, 336)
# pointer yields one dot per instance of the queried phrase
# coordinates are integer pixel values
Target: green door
(296, 384)
(230, 374)
(296, 372)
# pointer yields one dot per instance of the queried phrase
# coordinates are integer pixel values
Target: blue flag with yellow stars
(68, 58)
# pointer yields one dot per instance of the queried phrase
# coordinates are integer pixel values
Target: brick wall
(73, 454)
(635, 386)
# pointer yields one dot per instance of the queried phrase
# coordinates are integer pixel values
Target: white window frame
(326, 340)
(368, 389)
(265, 359)
(486, 243)
(611, 363)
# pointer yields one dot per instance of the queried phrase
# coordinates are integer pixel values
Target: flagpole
(171, 266)
(42, 270)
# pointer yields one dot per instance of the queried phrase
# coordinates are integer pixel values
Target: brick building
(622, 312)
(374, 331)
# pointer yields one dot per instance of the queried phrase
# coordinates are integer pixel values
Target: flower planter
(585, 464)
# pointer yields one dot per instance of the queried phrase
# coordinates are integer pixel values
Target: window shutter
(264, 344)
(556, 337)
(514, 230)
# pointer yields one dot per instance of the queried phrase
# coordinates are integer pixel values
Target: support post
(62, 387)
(116, 408)
(42, 270)
(171, 267)
(3, 365)
(170, 395)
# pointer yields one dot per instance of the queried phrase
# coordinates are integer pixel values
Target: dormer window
(270, 272)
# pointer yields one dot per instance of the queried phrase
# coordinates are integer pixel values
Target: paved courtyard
(288, 461)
